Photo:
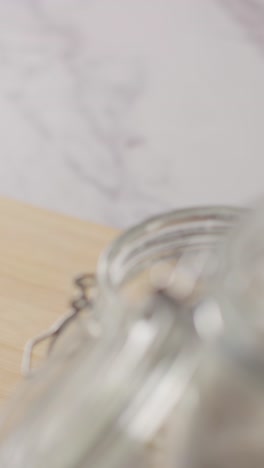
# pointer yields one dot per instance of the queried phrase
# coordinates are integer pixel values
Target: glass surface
(241, 275)
(220, 421)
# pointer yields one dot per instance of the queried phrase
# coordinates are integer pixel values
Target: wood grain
(40, 253)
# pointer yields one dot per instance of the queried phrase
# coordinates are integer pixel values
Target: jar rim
(208, 217)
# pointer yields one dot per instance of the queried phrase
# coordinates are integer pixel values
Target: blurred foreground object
(117, 398)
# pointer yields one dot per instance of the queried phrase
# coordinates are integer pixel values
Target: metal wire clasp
(86, 286)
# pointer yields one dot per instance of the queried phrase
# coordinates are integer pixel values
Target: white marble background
(112, 110)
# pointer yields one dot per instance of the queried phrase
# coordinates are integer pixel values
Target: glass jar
(111, 402)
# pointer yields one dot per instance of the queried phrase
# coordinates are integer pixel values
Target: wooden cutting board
(40, 253)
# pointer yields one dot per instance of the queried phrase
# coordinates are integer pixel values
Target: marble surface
(113, 110)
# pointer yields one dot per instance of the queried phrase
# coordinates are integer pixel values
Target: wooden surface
(40, 253)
